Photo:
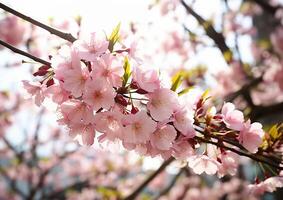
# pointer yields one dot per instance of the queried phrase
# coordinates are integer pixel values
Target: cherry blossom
(183, 121)
(108, 67)
(98, 94)
(203, 163)
(251, 136)
(232, 118)
(13, 30)
(35, 89)
(162, 103)
(110, 124)
(268, 185)
(147, 80)
(163, 137)
(74, 111)
(138, 128)
(91, 47)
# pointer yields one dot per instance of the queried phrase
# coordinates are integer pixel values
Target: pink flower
(109, 122)
(163, 137)
(251, 136)
(268, 185)
(229, 163)
(203, 163)
(162, 103)
(35, 89)
(59, 95)
(182, 149)
(99, 94)
(277, 39)
(87, 133)
(183, 120)
(233, 119)
(75, 111)
(138, 128)
(75, 80)
(91, 48)
(147, 80)
(108, 67)
(12, 30)
(279, 78)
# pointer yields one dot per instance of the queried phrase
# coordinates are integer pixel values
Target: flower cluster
(103, 93)
(13, 30)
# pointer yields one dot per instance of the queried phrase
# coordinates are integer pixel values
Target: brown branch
(19, 155)
(266, 6)
(137, 191)
(221, 139)
(18, 51)
(260, 111)
(239, 152)
(171, 184)
(12, 183)
(244, 89)
(60, 194)
(63, 35)
(217, 37)
(35, 141)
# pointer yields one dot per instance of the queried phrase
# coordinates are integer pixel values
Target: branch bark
(63, 35)
(137, 191)
(261, 111)
(217, 37)
(171, 184)
(18, 51)
(266, 6)
(245, 88)
(239, 152)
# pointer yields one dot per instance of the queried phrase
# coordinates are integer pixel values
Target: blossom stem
(18, 51)
(63, 35)
(140, 99)
(241, 153)
(139, 189)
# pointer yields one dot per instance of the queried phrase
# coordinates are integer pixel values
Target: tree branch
(63, 35)
(239, 152)
(243, 89)
(18, 51)
(260, 111)
(171, 184)
(137, 191)
(217, 37)
(61, 194)
(266, 6)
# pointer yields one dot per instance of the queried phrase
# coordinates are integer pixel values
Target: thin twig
(18, 51)
(266, 6)
(241, 153)
(217, 37)
(63, 35)
(171, 184)
(244, 88)
(137, 191)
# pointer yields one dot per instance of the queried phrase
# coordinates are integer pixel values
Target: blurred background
(221, 45)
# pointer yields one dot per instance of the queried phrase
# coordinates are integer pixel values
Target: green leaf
(127, 71)
(275, 132)
(177, 80)
(205, 95)
(114, 37)
(184, 91)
